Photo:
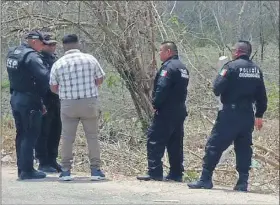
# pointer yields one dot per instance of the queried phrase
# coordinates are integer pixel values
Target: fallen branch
(267, 150)
(268, 161)
(208, 119)
(177, 201)
(189, 151)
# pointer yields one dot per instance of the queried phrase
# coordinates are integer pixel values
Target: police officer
(46, 150)
(167, 130)
(240, 84)
(29, 81)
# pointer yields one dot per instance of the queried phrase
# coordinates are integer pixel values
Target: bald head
(242, 48)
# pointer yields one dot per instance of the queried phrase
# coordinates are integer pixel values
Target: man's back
(75, 73)
(76, 76)
(241, 83)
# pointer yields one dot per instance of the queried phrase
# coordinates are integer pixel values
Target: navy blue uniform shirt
(48, 59)
(241, 82)
(38, 70)
(27, 72)
(170, 85)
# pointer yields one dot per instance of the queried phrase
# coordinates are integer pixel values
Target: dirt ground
(116, 190)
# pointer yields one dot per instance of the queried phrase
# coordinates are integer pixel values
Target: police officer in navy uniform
(167, 129)
(46, 149)
(29, 81)
(240, 85)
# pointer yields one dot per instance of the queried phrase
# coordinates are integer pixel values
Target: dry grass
(124, 153)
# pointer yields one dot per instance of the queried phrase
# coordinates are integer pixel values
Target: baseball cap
(49, 39)
(35, 35)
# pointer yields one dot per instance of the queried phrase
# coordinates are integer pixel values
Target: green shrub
(273, 100)
(5, 84)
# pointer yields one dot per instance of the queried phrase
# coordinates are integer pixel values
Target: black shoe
(65, 176)
(34, 174)
(148, 178)
(205, 181)
(47, 168)
(56, 166)
(242, 183)
(170, 177)
(201, 184)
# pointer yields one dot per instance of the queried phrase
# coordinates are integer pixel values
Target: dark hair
(70, 38)
(248, 46)
(170, 45)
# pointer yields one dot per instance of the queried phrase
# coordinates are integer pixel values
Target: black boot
(205, 181)
(171, 177)
(46, 168)
(55, 165)
(149, 177)
(242, 183)
(34, 174)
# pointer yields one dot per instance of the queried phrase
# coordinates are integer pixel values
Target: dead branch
(267, 150)
(268, 161)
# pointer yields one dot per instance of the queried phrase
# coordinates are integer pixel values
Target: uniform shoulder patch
(163, 73)
(17, 51)
(184, 73)
(40, 60)
(224, 70)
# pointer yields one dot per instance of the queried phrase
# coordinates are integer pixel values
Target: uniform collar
(72, 51)
(172, 57)
(26, 45)
(245, 57)
(47, 54)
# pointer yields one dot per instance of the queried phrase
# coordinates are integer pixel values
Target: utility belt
(174, 106)
(32, 96)
(237, 106)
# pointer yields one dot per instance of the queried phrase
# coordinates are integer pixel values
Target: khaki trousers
(72, 112)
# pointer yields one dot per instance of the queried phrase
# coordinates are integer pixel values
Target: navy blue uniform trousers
(27, 115)
(166, 131)
(233, 125)
(48, 141)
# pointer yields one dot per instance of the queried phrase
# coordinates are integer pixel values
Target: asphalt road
(116, 191)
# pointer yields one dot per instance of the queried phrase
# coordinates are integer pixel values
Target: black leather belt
(238, 106)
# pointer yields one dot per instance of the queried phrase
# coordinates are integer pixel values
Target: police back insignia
(249, 73)
(12, 63)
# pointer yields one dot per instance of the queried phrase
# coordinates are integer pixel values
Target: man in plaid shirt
(76, 77)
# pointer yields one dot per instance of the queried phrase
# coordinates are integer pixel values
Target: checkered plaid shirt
(75, 74)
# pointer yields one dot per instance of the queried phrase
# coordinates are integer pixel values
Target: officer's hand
(44, 110)
(155, 111)
(258, 123)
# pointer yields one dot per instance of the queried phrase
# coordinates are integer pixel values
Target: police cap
(49, 39)
(35, 35)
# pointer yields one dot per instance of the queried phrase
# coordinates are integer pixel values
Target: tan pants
(72, 112)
